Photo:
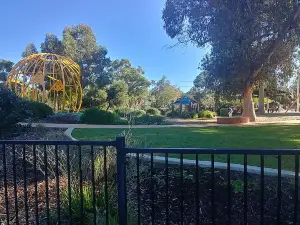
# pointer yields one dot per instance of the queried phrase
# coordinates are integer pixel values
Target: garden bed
(232, 120)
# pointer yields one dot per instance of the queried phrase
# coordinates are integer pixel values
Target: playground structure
(48, 78)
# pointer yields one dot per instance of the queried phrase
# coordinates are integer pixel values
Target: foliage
(97, 116)
(29, 50)
(64, 118)
(205, 98)
(123, 112)
(149, 119)
(5, 68)
(94, 97)
(52, 45)
(224, 112)
(133, 77)
(12, 110)
(153, 111)
(185, 115)
(250, 41)
(207, 114)
(80, 44)
(38, 110)
(194, 115)
(117, 94)
(164, 93)
(138, 113)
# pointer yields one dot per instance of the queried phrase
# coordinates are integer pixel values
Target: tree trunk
(261, 103)
(248, 107)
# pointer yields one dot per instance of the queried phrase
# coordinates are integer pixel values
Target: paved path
(56, 125)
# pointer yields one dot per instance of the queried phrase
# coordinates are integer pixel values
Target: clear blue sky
(130, 29)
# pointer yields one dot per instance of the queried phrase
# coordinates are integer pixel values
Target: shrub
(207, 114)
(97, 116)
(149, 119)
(194, 115)
(224, 112)
(38, 110)
(138, 113)
(153, 111)
(185, 115)
(124, 112)
(68, 118)
(175, 113)
(11, 109)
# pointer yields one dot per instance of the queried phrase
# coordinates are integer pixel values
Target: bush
(224, 112)
(12, 109)
(124, 112)
(149, 119)
(38, 110)
(175, 113)
(207, 114)
(138, 113)
(185, 115)
(97, 116)
(153, 111)
(194, 115)
(67, 118)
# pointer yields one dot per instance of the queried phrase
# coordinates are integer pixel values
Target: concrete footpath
(211, 124)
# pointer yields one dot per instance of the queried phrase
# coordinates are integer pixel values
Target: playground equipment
(48, 78)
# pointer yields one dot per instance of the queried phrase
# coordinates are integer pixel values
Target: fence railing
(105, 182)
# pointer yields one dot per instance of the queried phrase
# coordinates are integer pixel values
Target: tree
(138, 84)
(205, 98)
(94, 97)
(52, 45)
(163, 93)
(29, 50)
(117, 94)
(80, 44)
(250, 40)
(5, 68)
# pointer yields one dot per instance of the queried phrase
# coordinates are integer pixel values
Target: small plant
(207, 114)
(185, 115)
(153, 111)
(194, 115)
(97, 116)
(224, 112)
(38, 110)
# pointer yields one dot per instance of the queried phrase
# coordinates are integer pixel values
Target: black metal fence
(105, 182)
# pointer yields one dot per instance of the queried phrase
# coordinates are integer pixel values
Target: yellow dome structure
(48, 78)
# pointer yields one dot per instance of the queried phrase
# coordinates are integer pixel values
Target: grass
(269, 136)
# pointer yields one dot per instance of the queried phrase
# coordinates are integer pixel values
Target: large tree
(117, 94)
(163, 92)
(29, 50)
(5, 68)
(80, 44)
(250, 40)
(137, 83)
(52, 45)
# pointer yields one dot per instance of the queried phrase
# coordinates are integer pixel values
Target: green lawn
(275, 136)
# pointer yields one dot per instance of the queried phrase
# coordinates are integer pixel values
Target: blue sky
(130, 29)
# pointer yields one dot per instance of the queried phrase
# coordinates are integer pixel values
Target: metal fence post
(121, 174)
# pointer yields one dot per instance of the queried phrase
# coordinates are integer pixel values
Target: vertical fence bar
(213, 188)
(80, 183)
(25, 184)
(105, 184)
(46, 184)
(296, 194)
(121, 174)
(15, 183)
(69, 185)
(152, 191)
(93, 185)
(245, 189)
(138, 187)
(5, 183)
(262, 189)
(57, 185)
(279, 191)
(167, 187)
(181, 189)
(229, 189)
(197, 190)
(35, 186)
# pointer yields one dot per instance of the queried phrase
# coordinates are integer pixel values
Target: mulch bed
(221, 198)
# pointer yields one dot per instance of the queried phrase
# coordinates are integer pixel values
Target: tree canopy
(5, 68)
(249, 40)
(52, 45)
(29, 50)
(163, 93)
